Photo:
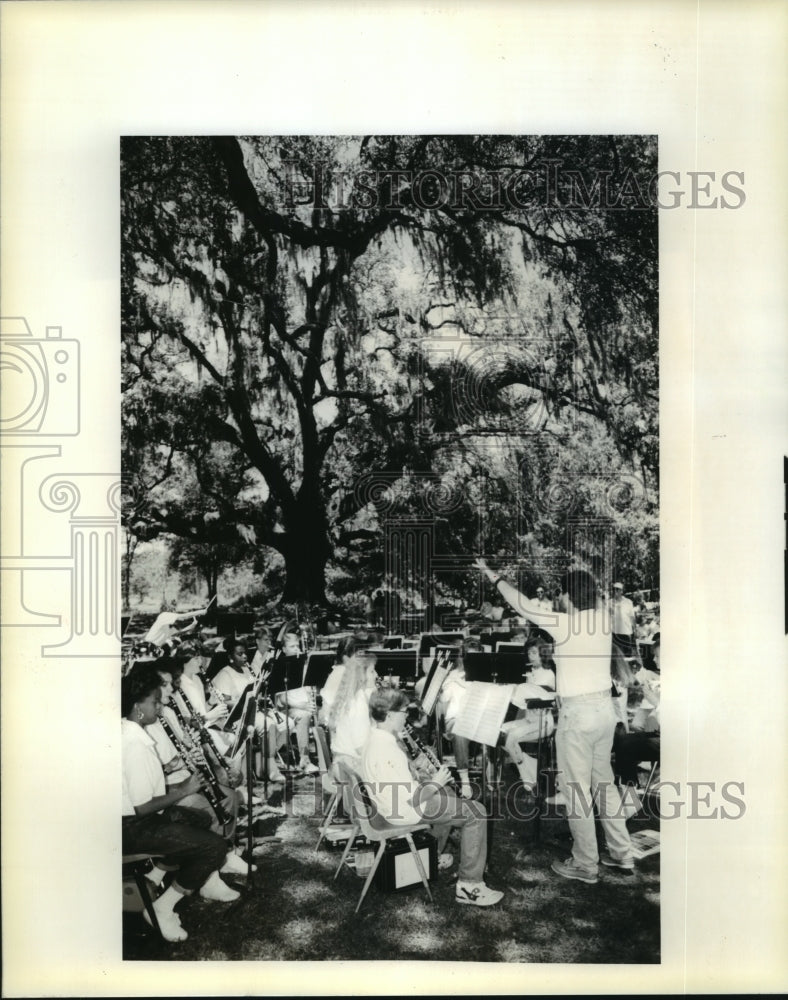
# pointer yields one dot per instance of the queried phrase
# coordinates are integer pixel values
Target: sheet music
(483, 711)
(435, 681)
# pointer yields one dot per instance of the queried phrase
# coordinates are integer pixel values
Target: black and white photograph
(383, 385)
(390, 422)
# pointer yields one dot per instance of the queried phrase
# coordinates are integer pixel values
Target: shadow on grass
(295, 910)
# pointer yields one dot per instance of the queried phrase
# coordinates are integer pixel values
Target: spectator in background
(622, 619)
(542, 601)
(642, 741)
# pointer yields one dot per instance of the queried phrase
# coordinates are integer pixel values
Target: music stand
(237, 711)
(286, 672)
(247, 717)
(317, 666)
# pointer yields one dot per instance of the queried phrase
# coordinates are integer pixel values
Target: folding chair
(330, 784)
(136, 865)
(368, 823)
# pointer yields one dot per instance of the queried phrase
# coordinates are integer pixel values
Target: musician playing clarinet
(401, 797)
(230, 683)
(586, 721)
(154, 821)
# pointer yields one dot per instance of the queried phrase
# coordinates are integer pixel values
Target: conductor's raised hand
(479, 563)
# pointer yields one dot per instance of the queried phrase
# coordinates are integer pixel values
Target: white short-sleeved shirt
(166, 751)
(622, 612)
(143, 777)
(583, 643)
(384, 766)
(329, 692)
(353, 727)
(232, 682)
(195, 692)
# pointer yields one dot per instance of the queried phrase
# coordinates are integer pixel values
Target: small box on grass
(397, 869)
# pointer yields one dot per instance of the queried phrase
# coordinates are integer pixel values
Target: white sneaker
(218, 891)
(169, 925)
(477, 894)
(445, 861)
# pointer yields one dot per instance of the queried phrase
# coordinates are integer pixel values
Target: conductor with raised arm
(586, 720)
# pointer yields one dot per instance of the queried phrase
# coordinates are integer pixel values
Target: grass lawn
(295, 910)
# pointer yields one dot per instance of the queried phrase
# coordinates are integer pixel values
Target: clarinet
(203, 764)
(416, 749)
(210, 687)
(203, 732)
(197, 764)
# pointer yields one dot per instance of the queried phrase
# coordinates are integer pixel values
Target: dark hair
(141, 681)
(346, 648)
(173, 667)
(534, 641)
(387, 700)
(581, 587)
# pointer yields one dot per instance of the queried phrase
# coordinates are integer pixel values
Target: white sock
(156, 875)
(168, 900)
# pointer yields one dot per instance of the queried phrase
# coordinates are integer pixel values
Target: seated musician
(348, 719)
(642, 741)
(154, 822)
(346, 651)
(177, 766)
(263, 652)
(297, 704)
(401, 797)
(529, 722)
(452, 693)
(230, 683)
(191, 685)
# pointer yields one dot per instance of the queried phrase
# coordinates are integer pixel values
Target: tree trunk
(131, 546)
(211, 575)
(307, 552)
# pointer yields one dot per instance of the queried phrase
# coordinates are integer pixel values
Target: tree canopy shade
(300, 313)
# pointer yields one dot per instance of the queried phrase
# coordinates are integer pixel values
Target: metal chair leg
(371, 874)
(354, 832)
(144, 892)
(419, 865)
(330, 815)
